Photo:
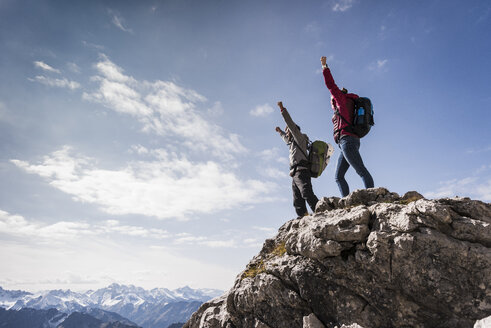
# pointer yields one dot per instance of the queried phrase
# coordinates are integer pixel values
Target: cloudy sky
(137, 140)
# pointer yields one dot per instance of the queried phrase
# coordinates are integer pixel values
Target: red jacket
(341, 102)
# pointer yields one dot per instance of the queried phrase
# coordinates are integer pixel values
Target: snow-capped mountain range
(134, 303)
(107, 298)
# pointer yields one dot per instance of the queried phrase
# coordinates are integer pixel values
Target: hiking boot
(302, 216)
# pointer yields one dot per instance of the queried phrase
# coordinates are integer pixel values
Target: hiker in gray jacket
(299, 164)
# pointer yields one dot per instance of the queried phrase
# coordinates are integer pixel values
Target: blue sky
(137, 137)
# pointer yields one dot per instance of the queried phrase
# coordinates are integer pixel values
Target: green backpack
(319, 155)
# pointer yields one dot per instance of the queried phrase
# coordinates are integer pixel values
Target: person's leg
(342, 167)
(305, 185)
(351, 150)
(298, 201)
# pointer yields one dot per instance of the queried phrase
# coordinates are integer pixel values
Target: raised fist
(324, 60)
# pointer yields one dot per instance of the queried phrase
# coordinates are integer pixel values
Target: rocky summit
(372, 259)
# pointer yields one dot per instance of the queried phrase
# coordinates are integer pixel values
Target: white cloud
(163, 108)
(216, 109)
(275, 173)
(64, 231)
(73, 67)
(312, 27)
(92, 45)
(5, 115)
(188, 239)
(381, 63)
(118, 21)
(378, 65)
(474, 187)
(18, 226)
(343, 5)
(268, 230)
(219, 243)
(479, 150)
(274, 155)
(97, 262)
(252, 242)
(271, 156)
(262, 110)
(383, 32)
(66, 279)
(45, 67)
(482, 169)
(61, 83)
(169, 186)
(202, 241)
(139, 149)
(113, 226)
(166, 184)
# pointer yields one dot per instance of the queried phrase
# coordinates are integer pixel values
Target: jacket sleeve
(283, 136)
(298, 136)
(331, 85)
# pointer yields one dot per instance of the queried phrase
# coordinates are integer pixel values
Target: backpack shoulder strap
(348, 128)
(300, 148)
(342, 117)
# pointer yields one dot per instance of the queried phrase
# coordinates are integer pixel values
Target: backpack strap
(348, 128)
(300, 148)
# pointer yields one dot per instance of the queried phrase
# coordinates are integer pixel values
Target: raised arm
(329, 80)
(282, 134)
(297, 135)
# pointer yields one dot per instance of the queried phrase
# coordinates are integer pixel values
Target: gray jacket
(298, 156)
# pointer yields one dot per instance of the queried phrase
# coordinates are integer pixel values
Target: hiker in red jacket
(349, 143)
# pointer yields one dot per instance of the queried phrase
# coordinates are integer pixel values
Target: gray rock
(483, 323)
(411, 196)
(327, 204)
(323, 235)
(212, 314)
(369, 197)
(311, 321)
(372, 259)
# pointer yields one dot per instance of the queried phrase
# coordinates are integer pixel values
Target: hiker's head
(344, 90)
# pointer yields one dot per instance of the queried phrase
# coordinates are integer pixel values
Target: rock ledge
(372, 259)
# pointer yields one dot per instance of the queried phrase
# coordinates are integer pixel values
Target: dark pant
(350, 156)
(302, 191)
